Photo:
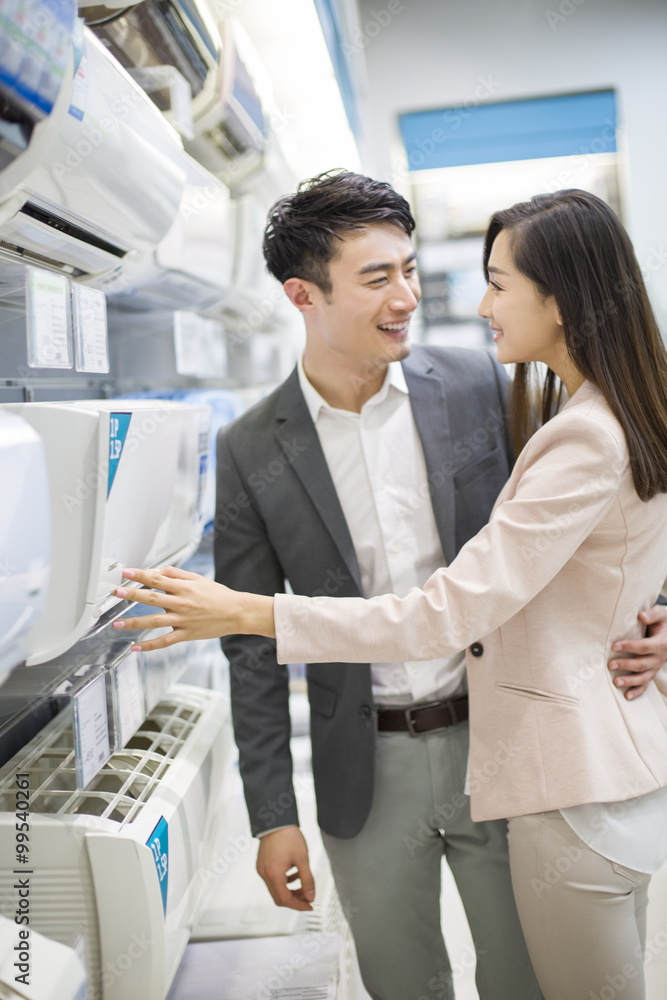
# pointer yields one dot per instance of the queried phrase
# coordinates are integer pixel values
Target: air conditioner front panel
(126, 485)
(117, 166)
(25, 536)
(97, 874)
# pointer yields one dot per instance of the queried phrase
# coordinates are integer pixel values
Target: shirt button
(396, 547)
(381, 485)
(477, 649)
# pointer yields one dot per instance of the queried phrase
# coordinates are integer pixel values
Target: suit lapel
(298, 438)
(429, 407)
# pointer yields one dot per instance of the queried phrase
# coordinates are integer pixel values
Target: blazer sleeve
(245, 560)
(571, 473)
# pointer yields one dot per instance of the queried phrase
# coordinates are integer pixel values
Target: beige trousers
(388, 878)
(583, 916)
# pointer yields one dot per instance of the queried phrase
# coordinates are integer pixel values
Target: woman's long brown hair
(572, 246)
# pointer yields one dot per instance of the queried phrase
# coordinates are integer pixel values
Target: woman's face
(525, 326)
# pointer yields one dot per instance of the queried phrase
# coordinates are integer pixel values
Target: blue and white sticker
(159, 845)
(118, 427)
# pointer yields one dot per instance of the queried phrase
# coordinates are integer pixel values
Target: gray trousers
(388, 877)
(584, 916)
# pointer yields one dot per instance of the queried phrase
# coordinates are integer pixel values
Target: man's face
(375, 290)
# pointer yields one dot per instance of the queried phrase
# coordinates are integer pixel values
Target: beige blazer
(566, 562)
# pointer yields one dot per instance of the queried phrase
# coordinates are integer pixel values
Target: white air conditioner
(106, 187)
(25, 537)
(120, 865)
(225, 406)
(192, 266)
(52, 970)
(127, 482)
(229, 118)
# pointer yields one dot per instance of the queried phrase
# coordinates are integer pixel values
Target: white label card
(47, 299)
(199, 346)
(91, 730)
(89, 319)
(129, 698)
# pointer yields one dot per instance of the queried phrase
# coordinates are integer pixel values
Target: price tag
(199, 345)
(129, 698)
(89, 320)
(91, 730)
(47, 297)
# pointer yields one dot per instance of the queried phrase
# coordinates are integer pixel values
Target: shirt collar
(394, 379)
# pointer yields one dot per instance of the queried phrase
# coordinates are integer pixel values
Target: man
(365, 471)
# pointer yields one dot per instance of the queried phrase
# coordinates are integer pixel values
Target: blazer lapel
(297, 436)
(429, 407)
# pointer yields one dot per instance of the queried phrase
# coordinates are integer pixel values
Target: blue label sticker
(118, 425)
(159, 845)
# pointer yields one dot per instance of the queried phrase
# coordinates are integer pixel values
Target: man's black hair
(304, 229)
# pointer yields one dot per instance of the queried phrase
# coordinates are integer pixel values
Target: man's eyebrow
(497, 270)
(387, 266)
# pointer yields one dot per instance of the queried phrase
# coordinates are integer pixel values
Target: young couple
(384, 465)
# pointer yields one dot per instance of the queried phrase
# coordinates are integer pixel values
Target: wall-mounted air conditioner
(25, 537)
(121, 865)
(126, 484)
(229, 118)
(107, 186)
(192, 266)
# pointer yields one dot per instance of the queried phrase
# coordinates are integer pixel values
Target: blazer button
(477, 649)
(365, 712)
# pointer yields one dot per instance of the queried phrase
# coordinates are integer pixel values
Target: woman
(576, 546)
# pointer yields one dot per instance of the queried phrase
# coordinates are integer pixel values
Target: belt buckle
(410, 722)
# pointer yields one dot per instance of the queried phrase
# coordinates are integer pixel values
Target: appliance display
(127, 482)
(107, 186)
(225, 406)
(122, 864)
(25, 537)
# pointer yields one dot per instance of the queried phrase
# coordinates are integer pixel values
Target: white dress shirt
(377, 465)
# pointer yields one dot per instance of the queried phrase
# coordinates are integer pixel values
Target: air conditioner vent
(126, 782)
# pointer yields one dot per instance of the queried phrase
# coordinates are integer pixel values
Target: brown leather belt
(429, 718)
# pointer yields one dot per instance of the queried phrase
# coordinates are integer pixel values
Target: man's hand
(649, 654)
(279, 854)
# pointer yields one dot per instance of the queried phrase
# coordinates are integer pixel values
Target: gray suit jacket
(278, 518)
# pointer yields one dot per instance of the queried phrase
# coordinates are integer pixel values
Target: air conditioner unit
(106, 187)
(126, 484)
(25, 537)
(192, 266)
(120, 866)
(229, 119)
(225, 406)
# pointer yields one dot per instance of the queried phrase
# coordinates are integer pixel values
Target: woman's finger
(174, 573)
(170, 639)
(152, 598)
(152, 579)
(147, 622)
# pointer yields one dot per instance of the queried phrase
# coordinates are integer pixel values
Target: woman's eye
(494, 285)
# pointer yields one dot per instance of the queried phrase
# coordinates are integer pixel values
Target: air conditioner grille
(124, 784)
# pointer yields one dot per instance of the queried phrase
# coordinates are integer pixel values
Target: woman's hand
(194, 608)
(648, 654)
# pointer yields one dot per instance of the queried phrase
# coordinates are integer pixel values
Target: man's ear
(300, 294)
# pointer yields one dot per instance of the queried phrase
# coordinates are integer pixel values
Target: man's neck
(342, 386)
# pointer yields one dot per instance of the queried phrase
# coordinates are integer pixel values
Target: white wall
(432, 53)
